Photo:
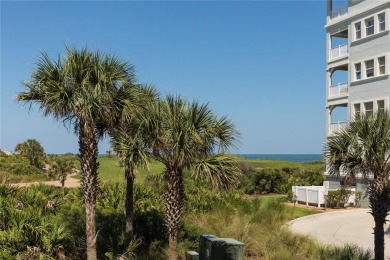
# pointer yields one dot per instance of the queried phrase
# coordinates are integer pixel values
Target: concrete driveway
(341, 227)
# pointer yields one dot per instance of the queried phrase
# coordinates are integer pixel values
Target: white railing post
(318, 197)
(307, 197)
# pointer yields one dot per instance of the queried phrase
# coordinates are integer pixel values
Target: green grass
(258, 222)
(295, 212)
(109, 170)
(14, 178)
(284, 164)
(16, 168)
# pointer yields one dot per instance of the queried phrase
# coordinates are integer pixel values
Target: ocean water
(285, 157)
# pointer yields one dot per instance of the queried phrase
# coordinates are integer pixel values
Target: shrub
(265, 181)
(337, 198)
(269, 180)
(344, 252)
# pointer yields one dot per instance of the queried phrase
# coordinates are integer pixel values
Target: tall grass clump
(258, 223)
(348, 251)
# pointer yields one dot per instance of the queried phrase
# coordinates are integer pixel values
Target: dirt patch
(69, 183)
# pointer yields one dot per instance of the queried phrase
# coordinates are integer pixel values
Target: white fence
(315, 195)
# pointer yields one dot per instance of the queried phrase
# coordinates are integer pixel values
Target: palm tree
(128, 142)
(33, 150)
(186, 135)
(61, 168)
(133, 154)
(86, 90)
(363, 147)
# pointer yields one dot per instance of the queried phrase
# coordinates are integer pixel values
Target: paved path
(340, 227)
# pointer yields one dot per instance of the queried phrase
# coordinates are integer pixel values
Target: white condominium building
(357, 63)
(357, 59)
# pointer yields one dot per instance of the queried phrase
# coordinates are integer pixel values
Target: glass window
(382, 22)
(370, 26)
(357, 109)
(368, 108)
(382, 66)
(358, 30)
(358, 71)
(381, 105)
(369, 68)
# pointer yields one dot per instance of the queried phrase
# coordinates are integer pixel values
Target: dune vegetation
(45, 221)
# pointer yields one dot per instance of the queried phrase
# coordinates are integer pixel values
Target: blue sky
(261, 63)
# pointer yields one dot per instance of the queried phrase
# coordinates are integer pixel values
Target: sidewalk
(340, 227)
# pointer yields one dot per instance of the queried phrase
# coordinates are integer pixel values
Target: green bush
(265, 181)
(270, 180)
(337, 198)
(16, 168)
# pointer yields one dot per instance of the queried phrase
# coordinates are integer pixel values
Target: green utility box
(205, 246)
(227, 249)
(215, 248)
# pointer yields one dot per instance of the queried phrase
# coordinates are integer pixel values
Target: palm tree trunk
(129, 175)
(379, 204)
(379, 239)
(88, 157)
(172, 255)
(173, 196)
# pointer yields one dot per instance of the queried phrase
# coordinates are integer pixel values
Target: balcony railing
(338, 12)
(339, 51)
(338, 90)
(337, 126)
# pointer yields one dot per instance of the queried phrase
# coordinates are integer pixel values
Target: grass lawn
(109, 170)
(284, 164)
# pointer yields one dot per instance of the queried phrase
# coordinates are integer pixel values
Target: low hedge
(338, 198)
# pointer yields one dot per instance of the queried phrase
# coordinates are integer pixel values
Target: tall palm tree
(363, 147)
(184, 135)
(33, 150)
(85, 89)
(128, 142)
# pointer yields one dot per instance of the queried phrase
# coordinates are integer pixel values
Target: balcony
(338, 90)
(338, 12)
(339, 51)
(336, 127)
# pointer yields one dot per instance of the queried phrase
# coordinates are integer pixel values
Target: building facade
(357, 60)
